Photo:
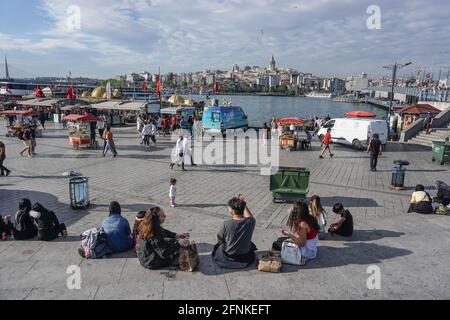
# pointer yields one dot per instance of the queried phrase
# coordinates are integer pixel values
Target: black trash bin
(79, 193)
(398, 174)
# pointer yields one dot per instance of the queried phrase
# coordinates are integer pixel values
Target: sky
(326, 37)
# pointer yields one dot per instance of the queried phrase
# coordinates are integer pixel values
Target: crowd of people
(156, 247)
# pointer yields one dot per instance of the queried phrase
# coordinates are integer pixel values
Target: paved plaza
(412, 251)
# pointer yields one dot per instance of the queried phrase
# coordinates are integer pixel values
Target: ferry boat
(319, 95)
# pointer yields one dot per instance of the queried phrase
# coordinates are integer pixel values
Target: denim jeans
(109, 147)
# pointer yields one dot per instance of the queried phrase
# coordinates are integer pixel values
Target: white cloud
(196, 34)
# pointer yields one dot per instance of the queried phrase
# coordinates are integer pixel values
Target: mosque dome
(176, 100)
(98, 93)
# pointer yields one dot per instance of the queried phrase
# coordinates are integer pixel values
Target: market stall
(80, 129)
(18, 120)
(289, 132)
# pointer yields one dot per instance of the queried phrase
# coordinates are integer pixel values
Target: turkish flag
(70, 93)
(38, 92)
(216, 88)
(144, 87)
(158, 86)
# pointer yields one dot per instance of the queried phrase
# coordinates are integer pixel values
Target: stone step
(420, 142)
(432, 137)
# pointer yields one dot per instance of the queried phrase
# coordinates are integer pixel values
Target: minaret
(6, 68)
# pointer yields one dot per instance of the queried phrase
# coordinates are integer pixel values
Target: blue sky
(326, 37)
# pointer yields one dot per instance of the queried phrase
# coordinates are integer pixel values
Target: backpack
(93, 243)
(20, 136)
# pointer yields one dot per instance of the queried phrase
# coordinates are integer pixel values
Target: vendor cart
(289, 138)
(17, 120)
(80, 129)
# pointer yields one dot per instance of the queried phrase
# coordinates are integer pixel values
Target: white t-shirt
(173, 191)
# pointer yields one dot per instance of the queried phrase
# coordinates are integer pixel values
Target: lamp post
(394, 69)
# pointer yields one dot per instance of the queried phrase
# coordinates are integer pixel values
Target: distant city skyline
(324, 37)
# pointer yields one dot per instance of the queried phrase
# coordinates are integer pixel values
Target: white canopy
(121, 105)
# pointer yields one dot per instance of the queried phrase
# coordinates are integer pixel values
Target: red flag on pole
(158, 86)
(70, 93)
(216, 88)
(144, 87)
(38, 92)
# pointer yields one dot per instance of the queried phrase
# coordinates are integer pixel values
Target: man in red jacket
(326, 144)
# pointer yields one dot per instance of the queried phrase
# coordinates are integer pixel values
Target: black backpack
(20, 136)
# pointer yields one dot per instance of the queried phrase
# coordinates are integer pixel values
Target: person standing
(179, 154)
(190, 125)
(33, 139)
(146, 131)
(101, 126)
(427, 122)
(110, 145)
(42, 119)
(93, 128)
(153, 132)
(173, 192)
(25, 136)
(4, 170)
(173, 123)
(326, 142)
(187, 147)
(165, 126)
(375, 149)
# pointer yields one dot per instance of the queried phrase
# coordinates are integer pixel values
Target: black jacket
(159, 251)
(24, 227)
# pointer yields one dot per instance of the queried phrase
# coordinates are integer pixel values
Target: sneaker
(321, 157)
(331, 155)
(8, 173)
(21, 154)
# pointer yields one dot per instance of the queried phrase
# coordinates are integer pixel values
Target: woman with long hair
(318, 212)
(303, 231)
(158, 247)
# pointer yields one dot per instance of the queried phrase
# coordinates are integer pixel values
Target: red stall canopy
(360, 114)
(18, 113)
(76, 117)
(289, 121)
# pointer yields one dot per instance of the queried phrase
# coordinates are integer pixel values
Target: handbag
(270, 264)
(189, 258)
(277, 245)
(290, 253)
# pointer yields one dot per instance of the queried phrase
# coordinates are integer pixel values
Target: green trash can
(441, 151)
(290, 184)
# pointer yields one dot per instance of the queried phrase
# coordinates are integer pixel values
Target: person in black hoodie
(158, 247)
(48, 224)
(24, 227)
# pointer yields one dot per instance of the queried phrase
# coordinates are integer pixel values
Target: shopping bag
(189, 258)
(290, 254)
(270, 263)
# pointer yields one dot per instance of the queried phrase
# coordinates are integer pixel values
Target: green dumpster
(441, 151)
(290, 184)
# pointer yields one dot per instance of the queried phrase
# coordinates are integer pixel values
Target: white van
(355, 132)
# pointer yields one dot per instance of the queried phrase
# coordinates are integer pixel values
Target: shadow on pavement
(365, 235)
(349, 202)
